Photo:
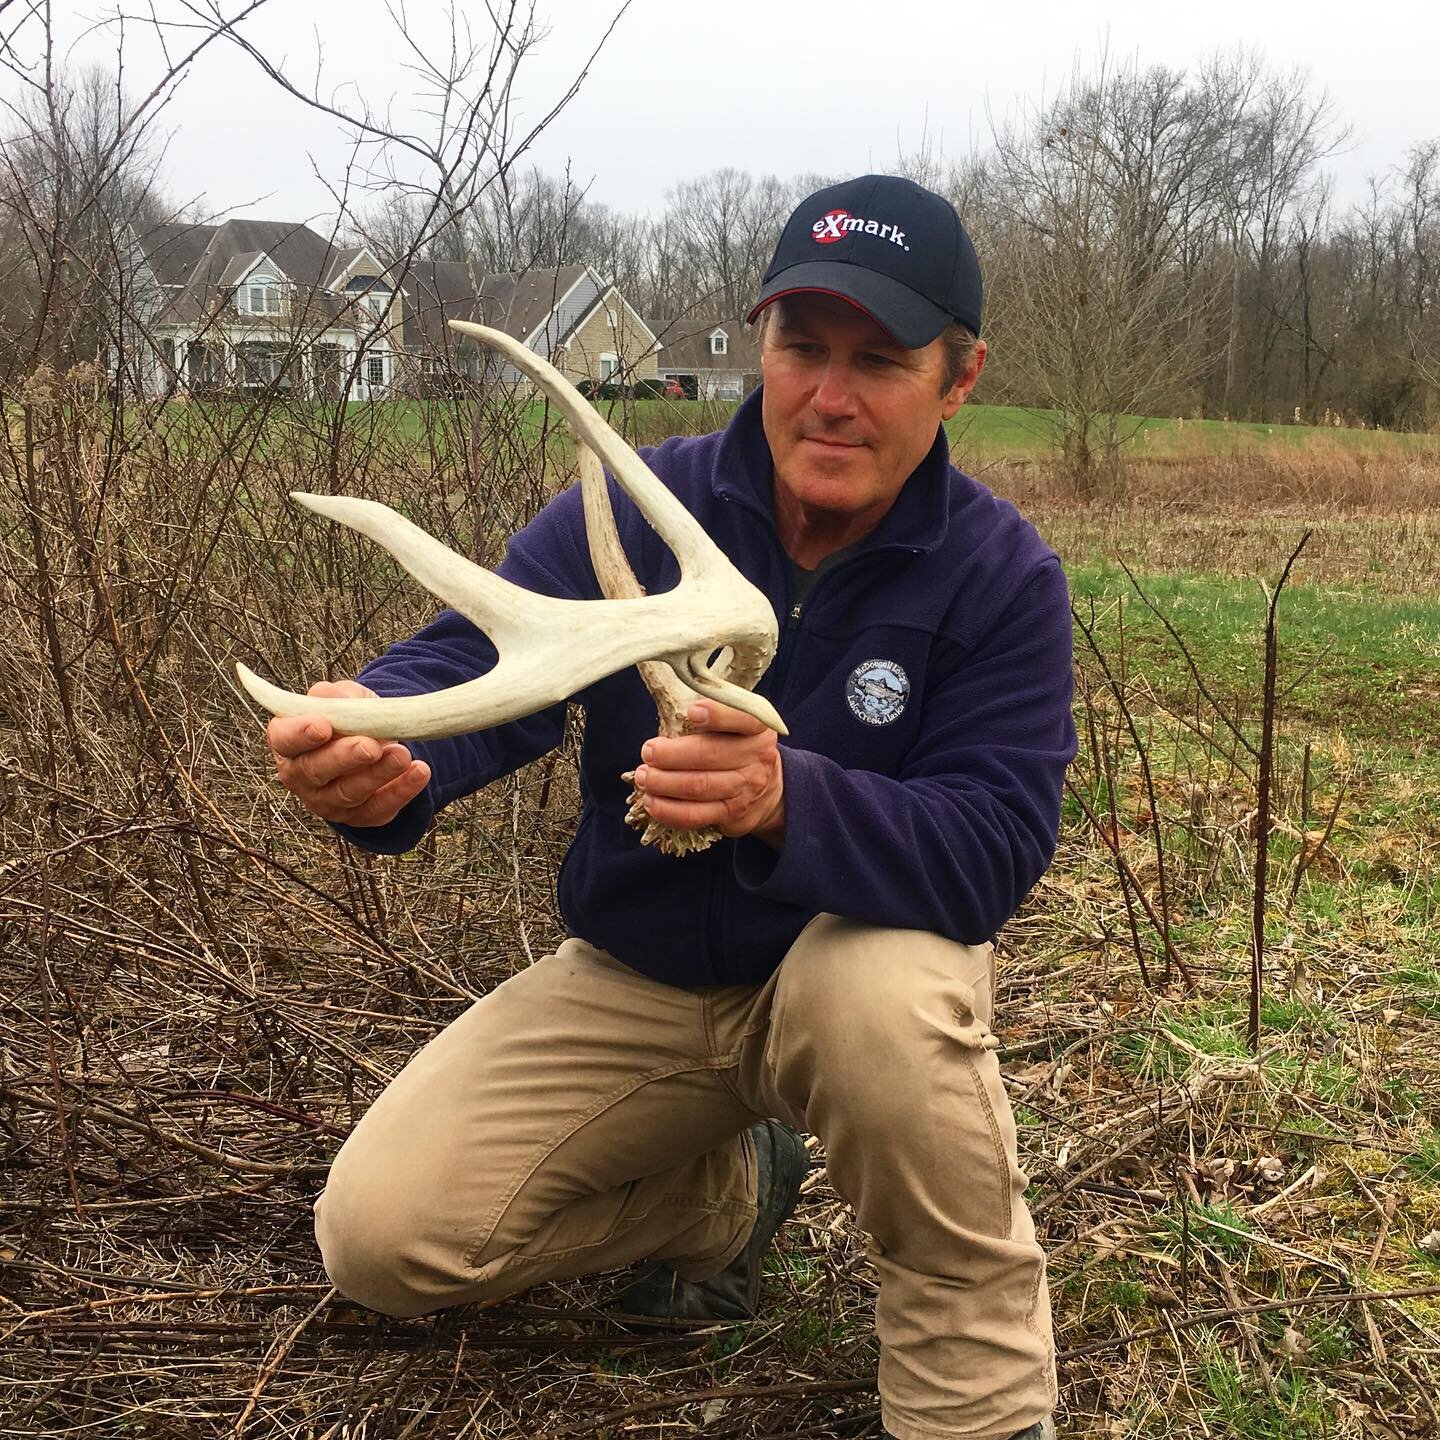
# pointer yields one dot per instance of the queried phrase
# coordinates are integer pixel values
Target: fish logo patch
(877, 691)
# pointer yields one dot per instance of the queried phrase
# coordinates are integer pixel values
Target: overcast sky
(772, 86)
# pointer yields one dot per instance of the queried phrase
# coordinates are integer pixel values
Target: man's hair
(958, 340)
(960, 345)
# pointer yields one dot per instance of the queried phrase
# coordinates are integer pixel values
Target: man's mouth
(832, 442)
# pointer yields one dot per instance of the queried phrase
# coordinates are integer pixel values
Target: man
(826, 965)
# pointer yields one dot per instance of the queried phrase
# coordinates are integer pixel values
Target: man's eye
(879, 361)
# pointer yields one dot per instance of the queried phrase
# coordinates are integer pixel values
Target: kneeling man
(634, 1098)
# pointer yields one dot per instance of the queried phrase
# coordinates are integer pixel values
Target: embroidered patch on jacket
(877, 691)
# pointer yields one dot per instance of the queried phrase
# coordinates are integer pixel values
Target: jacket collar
(918, 521)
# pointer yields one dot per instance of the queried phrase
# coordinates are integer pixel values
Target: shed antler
(671, 695)
(548, 648)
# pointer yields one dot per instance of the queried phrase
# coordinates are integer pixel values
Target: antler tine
(502, 610)
(702, 562)
(684, 534)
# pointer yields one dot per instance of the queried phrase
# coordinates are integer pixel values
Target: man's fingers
(348, 756)
(341, 690)
(390, 799)
(683, 814)
(355, 787)
(348, 779)
(723, 751)
(292, 735)
(692, 784)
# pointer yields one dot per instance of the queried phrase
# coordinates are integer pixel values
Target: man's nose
(834, 396)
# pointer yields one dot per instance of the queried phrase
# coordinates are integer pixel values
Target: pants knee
(391, 1255)
(367, 1257)
(870, 1011)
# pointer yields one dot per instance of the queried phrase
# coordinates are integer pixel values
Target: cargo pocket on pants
(976, 1045)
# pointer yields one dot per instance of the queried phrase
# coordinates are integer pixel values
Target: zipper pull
(795, 613)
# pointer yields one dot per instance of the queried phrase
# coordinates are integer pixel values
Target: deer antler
(548, 648)
(671, 695)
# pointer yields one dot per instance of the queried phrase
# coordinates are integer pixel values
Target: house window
(719, 343)
(262, 365)
(372, 293)
(375, 371)
(204, 364)
(263, 295)
(609, 364)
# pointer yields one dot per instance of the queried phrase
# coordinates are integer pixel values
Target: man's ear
(959, 393)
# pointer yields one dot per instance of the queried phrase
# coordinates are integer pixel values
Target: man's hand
(352, 779)
(727, 774)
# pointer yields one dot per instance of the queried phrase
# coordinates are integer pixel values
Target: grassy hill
(1005, 431)
(997, 432)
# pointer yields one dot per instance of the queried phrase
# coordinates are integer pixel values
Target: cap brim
(913, 320)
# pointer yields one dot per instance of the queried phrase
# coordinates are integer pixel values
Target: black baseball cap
(888, 245)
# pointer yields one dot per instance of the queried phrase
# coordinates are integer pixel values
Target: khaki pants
(582, 1117)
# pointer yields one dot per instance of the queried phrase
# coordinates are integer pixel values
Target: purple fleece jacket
(921, 792)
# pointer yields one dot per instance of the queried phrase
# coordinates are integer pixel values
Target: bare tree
(1094, 307)
(724, 226)
(1278, 132)
(1420, 258)
(76, 174)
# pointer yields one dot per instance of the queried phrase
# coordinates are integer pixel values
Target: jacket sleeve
(549, 555)
(955, 842)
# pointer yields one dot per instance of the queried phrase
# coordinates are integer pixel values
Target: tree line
(1154, 240)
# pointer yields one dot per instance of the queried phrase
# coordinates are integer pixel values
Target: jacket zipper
(789, 636)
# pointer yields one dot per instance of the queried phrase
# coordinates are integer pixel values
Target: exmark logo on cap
(837, 224)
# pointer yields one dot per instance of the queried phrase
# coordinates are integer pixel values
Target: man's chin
(832, 463)
(825, 494)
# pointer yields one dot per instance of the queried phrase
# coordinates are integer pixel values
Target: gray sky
(771, 86)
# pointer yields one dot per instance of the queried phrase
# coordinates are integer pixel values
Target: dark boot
(658, 1295)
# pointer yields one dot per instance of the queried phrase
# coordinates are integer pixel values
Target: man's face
(849, 413)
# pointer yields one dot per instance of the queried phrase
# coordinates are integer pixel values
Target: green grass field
(1339, 1103)
(1357, 658)
(980, 432)
(999, 431)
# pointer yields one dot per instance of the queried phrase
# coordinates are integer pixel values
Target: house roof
(517, 303)
(344, 259)
(685, 345)
(173, 251)
(237, 266)
(196, 264)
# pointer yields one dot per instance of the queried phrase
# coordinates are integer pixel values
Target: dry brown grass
(200, 992)
(1376, 517)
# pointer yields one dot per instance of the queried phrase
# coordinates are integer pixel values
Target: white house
(256, 304)
(250, 304)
